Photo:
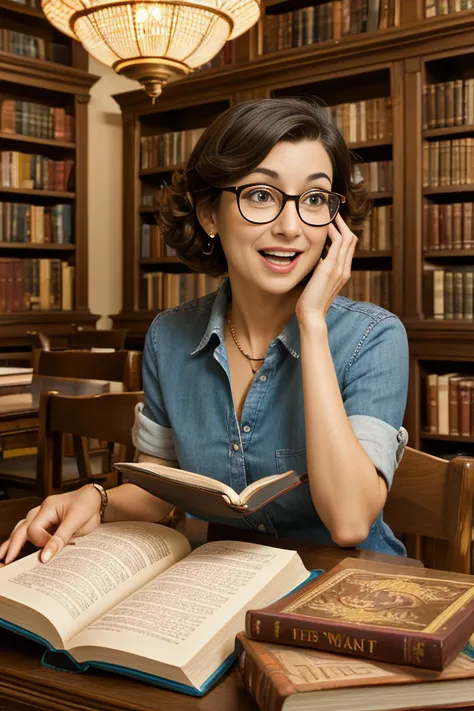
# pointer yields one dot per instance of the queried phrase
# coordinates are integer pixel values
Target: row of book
(152, 244)
(147, 195)
(364, 120)
(167, 149)
(36, 284)
(434, 8)
(332, 20)
(448, 103)
(29, 118)
(448, 162)
(377, 176)
(452, 294)
(374, 286)
(377, 230)
(36, 224)
(449, 404)
(448, 226)
(160, 290)
(35, 172)
(25, 45)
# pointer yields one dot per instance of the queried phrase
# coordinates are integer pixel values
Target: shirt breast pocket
(295, 508)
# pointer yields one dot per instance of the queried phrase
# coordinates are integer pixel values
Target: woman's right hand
(52, 525)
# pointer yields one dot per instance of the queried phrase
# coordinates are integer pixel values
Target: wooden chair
(113, 339)
(108, 417)
(121, 366)
(430, 506)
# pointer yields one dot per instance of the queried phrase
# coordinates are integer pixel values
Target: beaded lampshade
(152, 41)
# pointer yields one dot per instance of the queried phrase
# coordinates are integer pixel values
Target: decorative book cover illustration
(405, 602)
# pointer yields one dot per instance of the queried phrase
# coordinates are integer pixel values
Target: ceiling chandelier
(152, 41)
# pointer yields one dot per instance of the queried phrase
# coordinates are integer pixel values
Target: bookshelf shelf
(373, 254)
(147, 210)
(16, 138)
(57, 194)
(24, 10)
(376, 143)
(152, 261)
(36, 247)
(449, 190)
(381, 195)
(446, 438)
(448, 131)
(150, 172)
(448, 253)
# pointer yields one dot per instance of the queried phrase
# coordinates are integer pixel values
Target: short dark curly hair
(233, 145)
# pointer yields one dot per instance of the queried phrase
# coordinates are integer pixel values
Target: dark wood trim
(39, 193)
(45, 75)
(36, 247)
(19, 138)
(448, 131)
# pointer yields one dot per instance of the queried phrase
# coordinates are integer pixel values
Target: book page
(175, 617)
(88, 577)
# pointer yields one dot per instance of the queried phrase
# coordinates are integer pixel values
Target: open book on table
(131, 597)
(205, 497)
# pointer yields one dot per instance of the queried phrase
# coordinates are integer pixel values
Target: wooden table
(27, 686)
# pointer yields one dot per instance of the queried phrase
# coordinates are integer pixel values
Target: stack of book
(449, 404)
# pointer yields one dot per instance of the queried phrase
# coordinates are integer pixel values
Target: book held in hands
(204, 497)
(131, 597)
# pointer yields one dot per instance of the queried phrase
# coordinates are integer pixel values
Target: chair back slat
(432, 498)
(119, 366)
(108, 417)
(113, 338)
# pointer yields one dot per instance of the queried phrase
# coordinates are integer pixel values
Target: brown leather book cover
(205, 497)
(284, 678)
(403, 615)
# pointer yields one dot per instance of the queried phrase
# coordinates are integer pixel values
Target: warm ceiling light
(149, 40)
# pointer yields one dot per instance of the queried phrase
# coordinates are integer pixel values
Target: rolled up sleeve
(375, 394)
(152, 432)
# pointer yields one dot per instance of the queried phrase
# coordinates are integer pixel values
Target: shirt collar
(289, 337)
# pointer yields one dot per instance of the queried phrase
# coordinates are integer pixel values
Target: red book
(377, 611)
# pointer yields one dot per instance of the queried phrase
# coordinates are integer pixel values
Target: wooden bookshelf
(395, 63)
(64, 88)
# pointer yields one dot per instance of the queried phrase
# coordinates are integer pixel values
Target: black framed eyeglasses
(259, 204)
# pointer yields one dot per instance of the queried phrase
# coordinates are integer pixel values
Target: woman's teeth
(279, 257)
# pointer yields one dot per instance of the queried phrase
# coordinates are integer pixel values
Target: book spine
(395, 647)
(262, 677)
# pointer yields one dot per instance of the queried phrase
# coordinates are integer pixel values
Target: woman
(275, 371)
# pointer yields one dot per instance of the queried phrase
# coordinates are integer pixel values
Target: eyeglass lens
(262, 203)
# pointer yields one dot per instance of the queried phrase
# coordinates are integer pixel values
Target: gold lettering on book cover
(410, 603)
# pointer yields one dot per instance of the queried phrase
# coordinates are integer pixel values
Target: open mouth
(281, 259)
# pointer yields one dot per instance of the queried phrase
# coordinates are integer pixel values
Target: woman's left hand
(330, 274)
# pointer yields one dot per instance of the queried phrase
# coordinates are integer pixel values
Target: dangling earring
(210, 245)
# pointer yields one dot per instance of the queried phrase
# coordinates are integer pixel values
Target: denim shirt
(189, 414)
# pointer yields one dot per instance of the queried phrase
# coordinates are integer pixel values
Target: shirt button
(261, 527)
(236, 447)
(246, 428)
(263, 378)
